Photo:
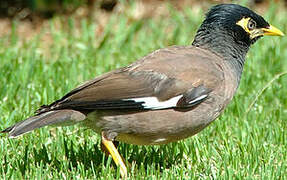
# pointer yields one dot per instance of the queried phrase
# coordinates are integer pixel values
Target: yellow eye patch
(244, 24)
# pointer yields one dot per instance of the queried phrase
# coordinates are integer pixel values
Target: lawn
(248, 141)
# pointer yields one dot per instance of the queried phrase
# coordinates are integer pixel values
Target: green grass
(238, 145)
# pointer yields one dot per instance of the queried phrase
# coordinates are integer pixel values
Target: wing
(176, 77)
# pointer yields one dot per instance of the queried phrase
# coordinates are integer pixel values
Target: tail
(57, 117)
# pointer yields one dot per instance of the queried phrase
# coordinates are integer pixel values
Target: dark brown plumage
(168, 95)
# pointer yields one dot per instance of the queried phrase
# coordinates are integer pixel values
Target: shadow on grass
(86, 155)
(82, 154)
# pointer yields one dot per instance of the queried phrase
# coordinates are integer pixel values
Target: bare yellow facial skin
(253, 33)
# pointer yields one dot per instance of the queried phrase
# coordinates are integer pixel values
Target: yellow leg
(115, 155)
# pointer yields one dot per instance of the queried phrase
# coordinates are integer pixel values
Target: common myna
(166, 96)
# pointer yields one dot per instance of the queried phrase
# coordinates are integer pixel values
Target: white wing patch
(154, 103)
(198, 99)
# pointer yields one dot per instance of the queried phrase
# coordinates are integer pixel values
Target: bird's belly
(150, 138)
(155, 127)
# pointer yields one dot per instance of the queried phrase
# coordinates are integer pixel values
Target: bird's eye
(251, 24)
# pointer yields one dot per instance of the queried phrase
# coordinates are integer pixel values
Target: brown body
(163, 126)
(164, 74)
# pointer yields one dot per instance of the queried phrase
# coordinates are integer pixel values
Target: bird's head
(233, 25)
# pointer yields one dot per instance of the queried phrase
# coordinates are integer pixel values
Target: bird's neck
(224, 45)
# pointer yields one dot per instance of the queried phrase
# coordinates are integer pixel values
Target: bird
(166, 96)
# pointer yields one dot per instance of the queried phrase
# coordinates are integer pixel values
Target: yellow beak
(272, 31)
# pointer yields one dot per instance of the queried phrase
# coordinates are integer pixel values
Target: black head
(228, 17)
(238, 26)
